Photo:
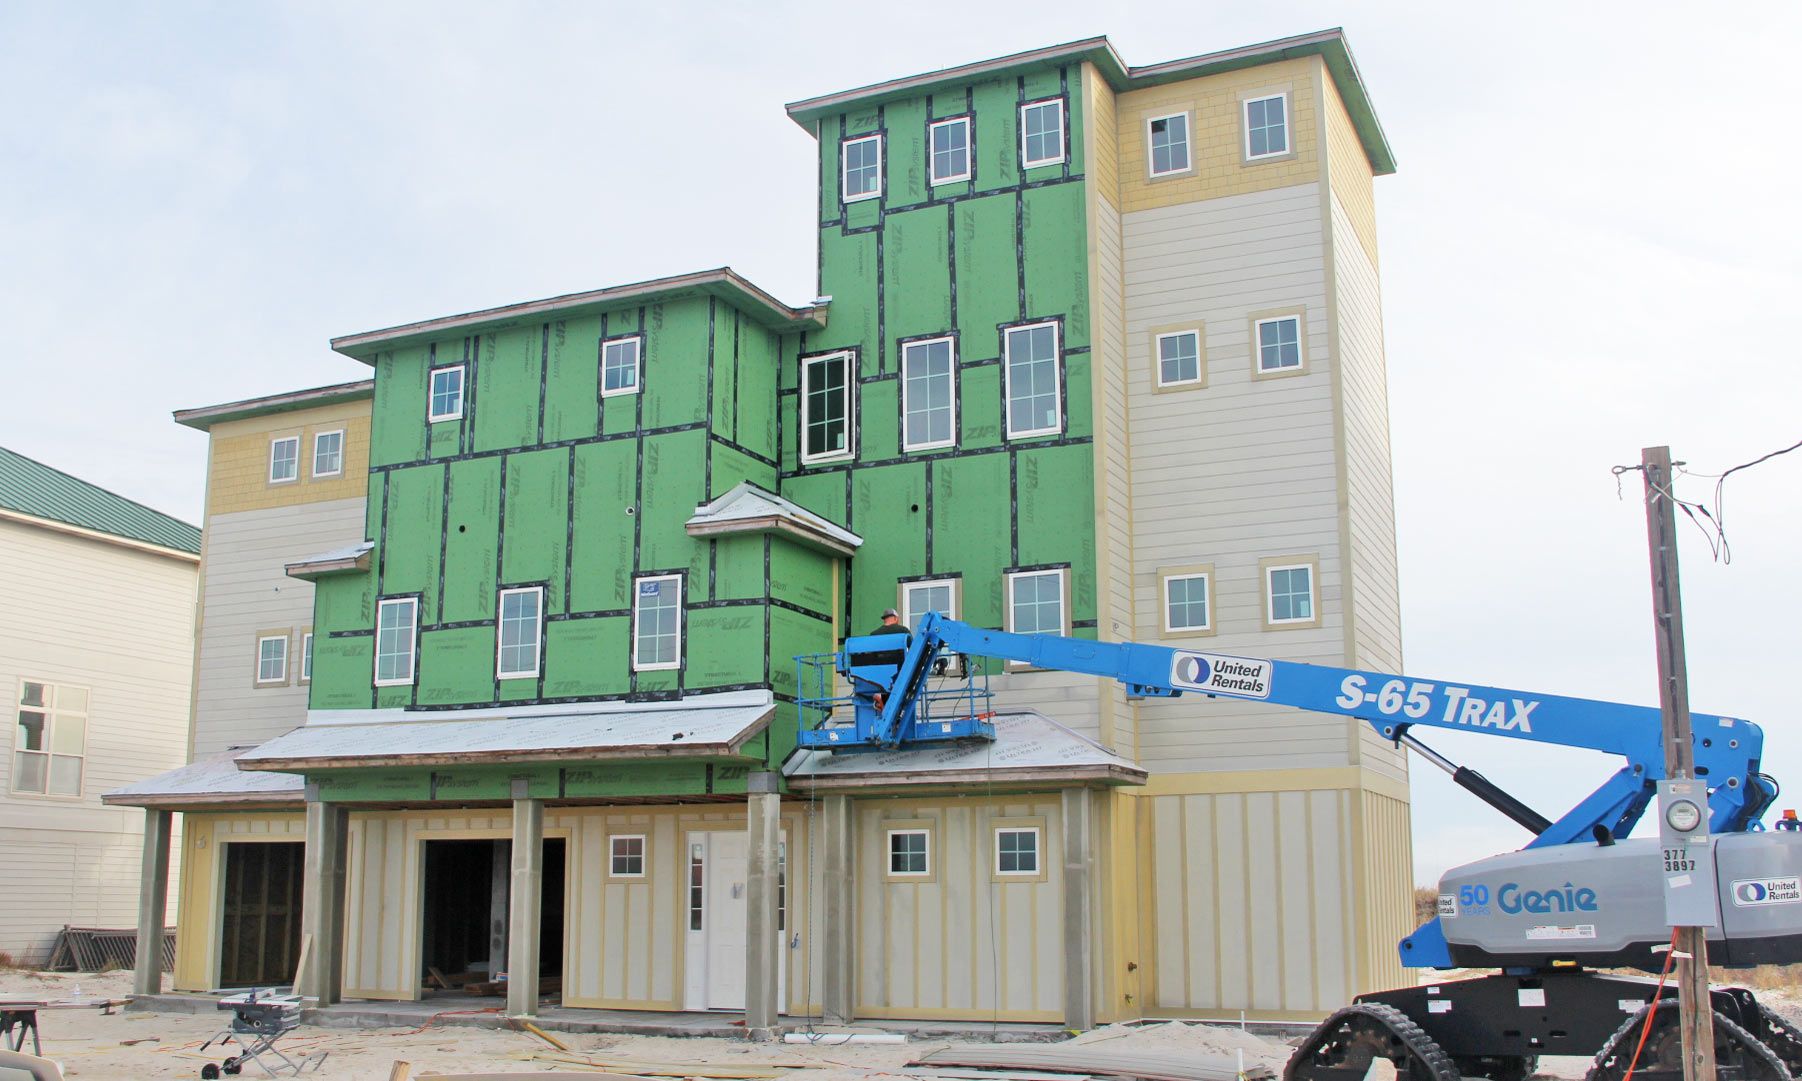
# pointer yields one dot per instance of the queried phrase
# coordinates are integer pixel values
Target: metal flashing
(202, 418)
(748, 508)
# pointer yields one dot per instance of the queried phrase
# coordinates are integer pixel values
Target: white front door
(717, 915)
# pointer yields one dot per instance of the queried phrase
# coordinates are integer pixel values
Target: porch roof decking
(1029, 749)
(210, 782)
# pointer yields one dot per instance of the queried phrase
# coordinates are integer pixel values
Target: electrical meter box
(1690, 897)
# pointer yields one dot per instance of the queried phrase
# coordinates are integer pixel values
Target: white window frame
(1245, 122)
(889, 852)
(932, 156)
(1151, 168)
(1038, 852)
(306, 657)
(1062, 133)
(1063, 583)
(1313, 616)
(662, 666)
(1257, 345)
(501, 671)
(294, 440)
(281, 678)
(338, 472)
(1057, 379)
(431, 395)
(412, 604)
(54, 712)
(849, 361)
(951, 374)
(1207, 588)
(909, 588)
(637, 343)
(1157, 358)
(643, 857)
(844, 168)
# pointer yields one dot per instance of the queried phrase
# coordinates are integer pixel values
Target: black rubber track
(1739, 1056)
(1416, 1056)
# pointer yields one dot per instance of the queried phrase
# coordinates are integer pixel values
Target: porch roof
(750, 509)
(1029, 748)
(211, 781)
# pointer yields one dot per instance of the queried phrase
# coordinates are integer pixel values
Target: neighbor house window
(863, 168)
(284, 459)
(1187, 604)
(50, 741)
(521, 625)
(1179, 358)
(657, 623)
(950, 141)
(928, 395)
(446, 397)
(272, 658)
(826, 407)
(1042, 133)
(619, 366)
(909, 853)
(306, 657)
(395, 623)
(1017, 850)
(1267, 126)
(1289, 592)
(1035, 602)
(1031, 375)
(1169, 144)
(627, 856)
(918, 598)
(1279, 344)
(328, 454)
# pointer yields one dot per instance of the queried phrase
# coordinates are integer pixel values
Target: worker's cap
(887, 612)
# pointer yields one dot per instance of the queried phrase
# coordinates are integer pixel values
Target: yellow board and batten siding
(201, 883)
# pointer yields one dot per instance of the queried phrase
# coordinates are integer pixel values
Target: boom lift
(1574, 898)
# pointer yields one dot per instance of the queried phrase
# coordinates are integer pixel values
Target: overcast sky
(1593, 226)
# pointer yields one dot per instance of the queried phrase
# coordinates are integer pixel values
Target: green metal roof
(33, 488)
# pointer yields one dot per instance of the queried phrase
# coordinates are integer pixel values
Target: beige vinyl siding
(200, 884)
(246, 593)
(118, 622)
(1238, 471)
(961, 943)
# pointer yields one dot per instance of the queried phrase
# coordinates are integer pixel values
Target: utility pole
(1695, 1010)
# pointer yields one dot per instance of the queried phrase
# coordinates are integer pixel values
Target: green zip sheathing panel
(493, 784)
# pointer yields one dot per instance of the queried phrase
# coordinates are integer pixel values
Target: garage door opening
(464, 924)
(259, 933)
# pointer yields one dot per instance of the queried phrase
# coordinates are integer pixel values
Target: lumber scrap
(748, 1071)
(1191, 1066)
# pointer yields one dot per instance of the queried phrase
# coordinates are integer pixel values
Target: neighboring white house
(97, 606)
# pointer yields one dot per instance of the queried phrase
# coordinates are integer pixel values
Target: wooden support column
(322, 901)
(1079, 941)
(838, 923)
(763, 948)
(524, 913)
(153, 903)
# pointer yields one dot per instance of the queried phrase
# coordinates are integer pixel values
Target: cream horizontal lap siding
(200, 885)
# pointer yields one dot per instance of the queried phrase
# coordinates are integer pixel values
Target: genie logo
(1212, 673)
(1754, 892)
(1514, 900)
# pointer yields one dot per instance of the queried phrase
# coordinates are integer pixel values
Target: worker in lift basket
(891, 624)
(1789, 822)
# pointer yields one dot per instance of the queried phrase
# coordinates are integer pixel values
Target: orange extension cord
(1670, 955)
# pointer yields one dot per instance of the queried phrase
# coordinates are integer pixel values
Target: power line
(1715, 531)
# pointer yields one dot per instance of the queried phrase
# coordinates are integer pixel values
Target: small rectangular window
(1041, 133)
(1168, 138)
(328, 454)
(1017, 851)
(950, 141)
(862, 168)
(697, 886)
(825, 407)
(657, 623)
(626, 852)
(520, 628)
(1179, 358)
(1279, 344)
(1035, 602)
(284, 459)
(1290, 593)
(50, 740)
(272, 659)
(1267, 126)
(909, 853)
(1187, 605)
(446, 395)
(306, 657)
(396, 622)
(619, 366)
(1030, 370)
(928, 394)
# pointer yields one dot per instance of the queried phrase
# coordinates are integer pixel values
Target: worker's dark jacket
(895, 628)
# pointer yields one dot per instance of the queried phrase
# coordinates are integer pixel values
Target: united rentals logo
(1752, 892)
(1212, 673)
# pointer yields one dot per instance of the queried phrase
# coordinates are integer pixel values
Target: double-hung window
(928, 394)
(825, 407)
(1188, 604)
(50, 741)
(1289, 594)
(396, 626)
(1179, 358)
(1041, 133)
(918, 598)
(445, 397)
(1035, 604)
(862, 168)
(657, 623)
(284, 459)
(1279, 344)
(1266, 127)
(1030, 370)
(328, 454)
(1017, 851)
(619, 365)
(950, 142)
(521, 626)
(1167, 139)
(272, 659)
